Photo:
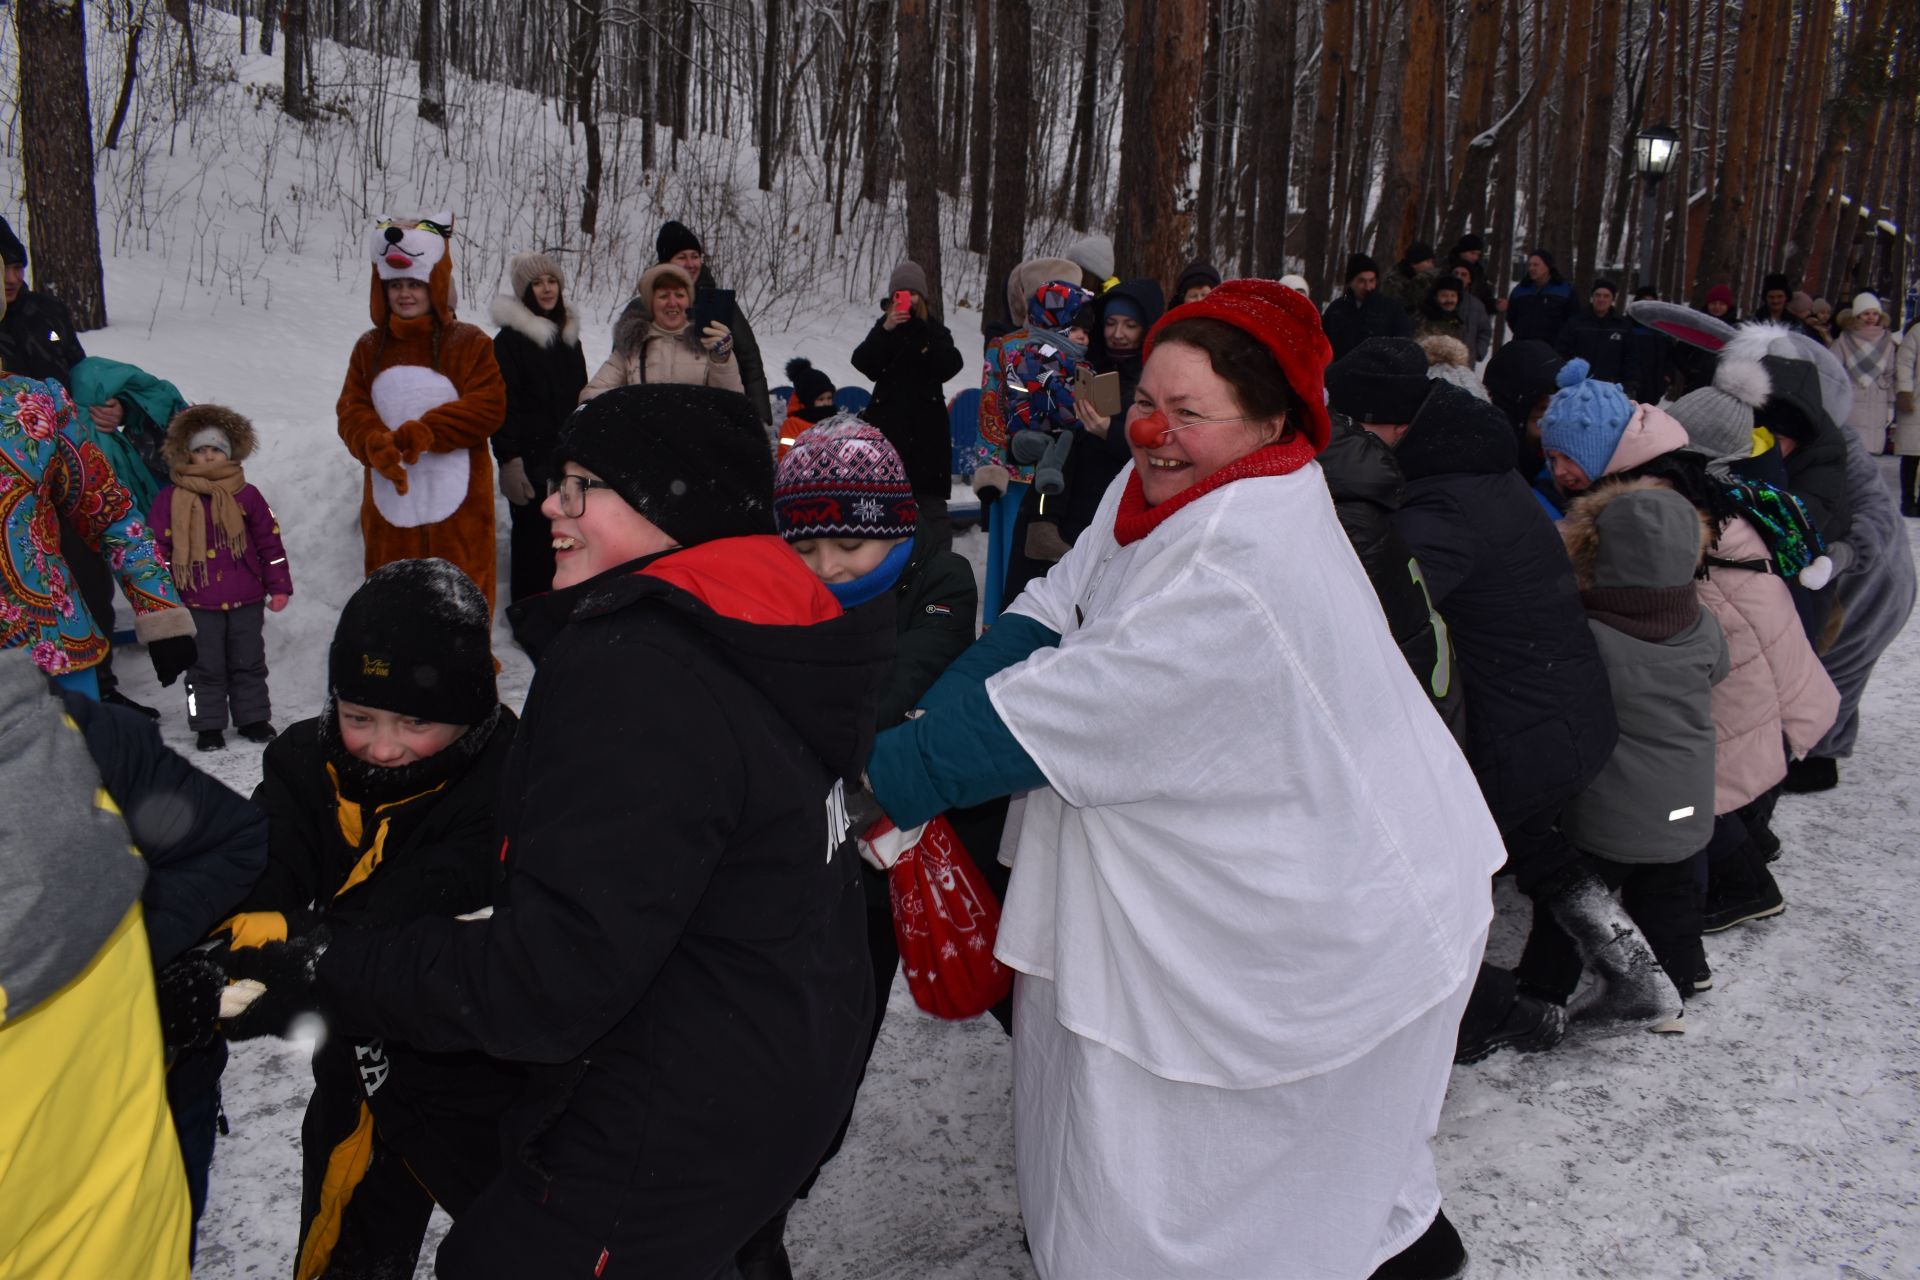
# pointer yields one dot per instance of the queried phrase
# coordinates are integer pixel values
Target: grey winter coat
(1653, 800)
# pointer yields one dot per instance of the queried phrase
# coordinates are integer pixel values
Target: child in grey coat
(1645, 820)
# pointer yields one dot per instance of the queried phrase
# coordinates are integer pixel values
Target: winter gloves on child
(188, 991)
(287, 970)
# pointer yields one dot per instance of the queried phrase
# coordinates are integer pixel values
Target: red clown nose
(1149, 431)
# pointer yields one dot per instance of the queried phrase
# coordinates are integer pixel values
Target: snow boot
(210, 740)
(1436, 1255)
(764, 1255)
(1630, 989)
(258, 731)
(1532, 1025)
(1815, 773)
(1757, 899)
(116, 698)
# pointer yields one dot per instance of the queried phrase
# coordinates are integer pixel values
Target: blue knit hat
(1585, 419)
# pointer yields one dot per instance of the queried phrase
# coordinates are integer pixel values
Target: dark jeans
(195, 1122)
(93, 579)
(1909, 482)
(1663, 898)
(529, 551)
(1542, 863)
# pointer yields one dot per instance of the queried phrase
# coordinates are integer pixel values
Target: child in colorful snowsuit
(222, 542)
(1645, 820)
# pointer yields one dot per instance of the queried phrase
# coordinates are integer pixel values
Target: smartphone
(903, 303)
(710, 305)
(1101, 391)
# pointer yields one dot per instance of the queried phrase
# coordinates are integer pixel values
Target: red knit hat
(1286, 325)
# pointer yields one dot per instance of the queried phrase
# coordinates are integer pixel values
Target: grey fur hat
(528, 267)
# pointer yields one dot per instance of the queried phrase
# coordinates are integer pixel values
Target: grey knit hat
(528, 267)
(909, 275)
(1092, 254)
(1719, 417)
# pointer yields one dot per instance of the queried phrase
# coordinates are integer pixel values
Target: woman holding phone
(909, 355)
(657, 340)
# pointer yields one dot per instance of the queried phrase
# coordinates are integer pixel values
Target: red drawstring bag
(945, 919)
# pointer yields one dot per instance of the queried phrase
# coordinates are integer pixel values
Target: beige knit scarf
(219, 482)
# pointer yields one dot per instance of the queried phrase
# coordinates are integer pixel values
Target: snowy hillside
(1777, 1138)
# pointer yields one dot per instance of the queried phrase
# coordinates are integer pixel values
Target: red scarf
(1136, 519)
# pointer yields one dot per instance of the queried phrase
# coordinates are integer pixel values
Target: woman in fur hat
(220, 537)
(422, 397)
(538, 350)
(654, 342)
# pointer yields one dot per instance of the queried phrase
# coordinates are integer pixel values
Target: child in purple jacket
(220, 538)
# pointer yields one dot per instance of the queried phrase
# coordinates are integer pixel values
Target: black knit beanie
(808, 382)
(693, 460)
(1360, 262)
(12, 252)
(675, 238)
(416, 639)
(1383, 380)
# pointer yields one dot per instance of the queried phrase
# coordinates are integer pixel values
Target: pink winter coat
(1775, 686)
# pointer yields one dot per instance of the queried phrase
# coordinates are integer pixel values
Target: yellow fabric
(346, 1165)
(90, 1177)
(368, 860)
(254, 928)
(1762, 441)
(352, 821)
(345, 812)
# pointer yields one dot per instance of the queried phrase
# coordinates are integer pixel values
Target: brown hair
(1259, 387)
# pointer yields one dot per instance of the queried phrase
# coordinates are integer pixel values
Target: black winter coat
(37, 338)
(1817, 467)
(204, 846)
(908, 366)
(1349, 323)
(425, 849)
(746, 350)
(679, 944)
(1095, 461)
(1366, 488)
(543, 369)
(1607, 345)
(1540, 311)
(1540, 720)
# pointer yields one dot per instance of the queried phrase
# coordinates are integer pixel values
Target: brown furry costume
(421, 434)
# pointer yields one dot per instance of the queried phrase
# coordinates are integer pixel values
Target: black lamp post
(1653, 152)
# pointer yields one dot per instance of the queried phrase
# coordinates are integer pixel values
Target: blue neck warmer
(871, 586)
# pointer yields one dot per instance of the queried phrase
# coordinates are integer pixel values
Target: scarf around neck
(1135, 519)
(220, 484)
(1867, 361)
(1646, 613)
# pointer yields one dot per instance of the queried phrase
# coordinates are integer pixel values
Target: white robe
(1259, 858)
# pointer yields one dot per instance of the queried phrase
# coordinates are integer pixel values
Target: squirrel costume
(421, 398)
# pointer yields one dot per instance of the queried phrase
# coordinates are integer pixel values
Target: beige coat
(642, 356)
(1906, 378)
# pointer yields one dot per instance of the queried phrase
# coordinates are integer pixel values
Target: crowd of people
(1301, 627)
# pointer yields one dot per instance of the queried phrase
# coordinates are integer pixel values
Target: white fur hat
(1865, 302)
(1297, 283)
(210, 436)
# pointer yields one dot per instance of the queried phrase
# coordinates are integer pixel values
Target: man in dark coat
(909, 361)
(1602, 336)
(1361, 312)
(36, 330)
(677, 244)
(678, 945)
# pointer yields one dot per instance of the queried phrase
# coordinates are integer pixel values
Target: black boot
(1436, 1255)
(1815, 773)
(764, 1255)
(1631, 990)
(114, 697)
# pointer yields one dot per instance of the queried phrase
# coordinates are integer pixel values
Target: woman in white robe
(1252, 885)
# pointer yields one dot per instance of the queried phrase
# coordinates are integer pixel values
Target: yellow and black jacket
(358, 846)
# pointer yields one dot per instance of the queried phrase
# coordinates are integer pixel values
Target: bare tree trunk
(584, 60)
(293, 54)
(920, 145)
(1336, 23)
(1731, 212)
(1083, 122)
(1506, 183)
(980, 152)
(954, 107)
(769, 129)
(1206, 209)
(1846, 114)
(1565, 133)
(1464, 202)
(1407, 155)
(1273, 152)
(1012, 127)
(1602, 78)
(433, 65)
(1164, 43)
(129, 71)
(56, 157)
(875, 158)
(681, 55)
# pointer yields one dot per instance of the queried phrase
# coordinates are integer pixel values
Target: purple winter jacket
(232, 581)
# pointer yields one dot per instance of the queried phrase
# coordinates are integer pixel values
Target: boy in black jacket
(381, 811)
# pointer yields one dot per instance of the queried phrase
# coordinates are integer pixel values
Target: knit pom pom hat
(1719, 417)
(1585, 419)
(808, 382)
(1287, 325)
(843, 479)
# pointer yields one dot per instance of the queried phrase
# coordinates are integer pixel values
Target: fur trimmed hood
(508, 312)
(200, 416)
(1579, 528)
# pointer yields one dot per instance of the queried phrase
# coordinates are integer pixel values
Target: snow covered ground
(1776, 1138)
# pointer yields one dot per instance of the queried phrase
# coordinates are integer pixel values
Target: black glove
(863, 809)
(989, 494)
(287, 970)
(170, 656)
(189, 995)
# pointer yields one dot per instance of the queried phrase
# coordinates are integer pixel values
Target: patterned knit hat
(843, 480)
(1585, 419)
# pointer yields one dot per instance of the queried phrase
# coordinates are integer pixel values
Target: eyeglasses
(573, 493)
